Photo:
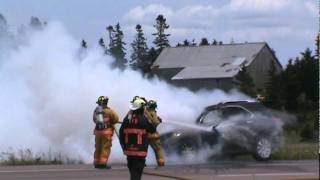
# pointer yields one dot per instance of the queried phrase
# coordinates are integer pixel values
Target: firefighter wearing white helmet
(154, 138)
(104, 118)
(133, 137)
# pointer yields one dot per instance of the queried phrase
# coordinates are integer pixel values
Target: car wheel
(263, 149)
(188, 149)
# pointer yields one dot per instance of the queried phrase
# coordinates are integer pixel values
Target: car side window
(228, 112)
(211, 118)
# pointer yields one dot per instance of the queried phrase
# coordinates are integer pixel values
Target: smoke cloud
(48, 95)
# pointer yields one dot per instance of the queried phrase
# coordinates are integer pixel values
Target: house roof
(202, 72)
(215, 61)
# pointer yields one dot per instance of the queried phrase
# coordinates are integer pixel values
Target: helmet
(139, 97)
(102, 100)
(144, 99)
(152, 104)
(134, 98)
(138, 103)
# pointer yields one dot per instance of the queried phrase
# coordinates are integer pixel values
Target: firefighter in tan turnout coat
(104, 118)
(154, 138)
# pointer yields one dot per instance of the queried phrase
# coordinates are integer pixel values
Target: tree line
(142, 57)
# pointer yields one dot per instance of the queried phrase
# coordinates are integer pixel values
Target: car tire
(187, 148)
(263, 149)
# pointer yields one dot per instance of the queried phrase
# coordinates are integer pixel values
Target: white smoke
(48, 95)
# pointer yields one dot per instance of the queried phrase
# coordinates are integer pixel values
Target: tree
(111, 36)
(161, 41)
(274, 89)
(296, 90)
(193, 43)
(139, 54)
(318, 46)
(186, 42)
(246, 82)
(152, 56)
(101, 43)
(214, 42)
(3, 26)
(35, 23)
(103, 46)
(84, 44)
(204, 42)
(116, 46)
(82, 53)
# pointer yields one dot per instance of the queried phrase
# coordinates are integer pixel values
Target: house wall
(166, 73)
(208, 84)
(260, 67)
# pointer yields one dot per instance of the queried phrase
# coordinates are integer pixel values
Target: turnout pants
(135, 166)
(102, 151)
(158, 150)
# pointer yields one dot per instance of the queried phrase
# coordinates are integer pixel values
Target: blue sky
(289, 26)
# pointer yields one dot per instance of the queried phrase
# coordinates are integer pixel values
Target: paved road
(224, 170)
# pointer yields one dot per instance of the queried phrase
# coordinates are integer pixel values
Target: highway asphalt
(221, 170)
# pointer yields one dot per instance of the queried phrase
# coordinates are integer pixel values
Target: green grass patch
(297, 151)
(294, 148)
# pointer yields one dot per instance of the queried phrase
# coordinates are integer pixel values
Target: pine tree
(186, 43)
(274, 89)
(84, 44)
(152, 56)
(214, 42)
(82, 53)
(193, 43)
(204, 42)
(111, 37)
(116, 46)
(35, 23)
(246, 82)
(103, 46)
(161, 41)
(318, 46)
(3, 26)
(183, 44)
(101, 43)
(139, 52)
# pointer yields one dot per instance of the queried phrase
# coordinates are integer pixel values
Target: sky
(288, 26)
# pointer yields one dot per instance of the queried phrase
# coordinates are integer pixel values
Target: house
(215, 66)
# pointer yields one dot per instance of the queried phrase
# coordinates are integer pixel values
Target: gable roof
(214, 61)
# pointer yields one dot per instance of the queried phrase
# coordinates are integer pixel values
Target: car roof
(250, 105)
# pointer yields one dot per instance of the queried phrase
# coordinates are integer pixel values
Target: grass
(297, 151)
(294, 148)
(27, 157)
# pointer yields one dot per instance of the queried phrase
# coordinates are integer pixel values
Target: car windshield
(215, 116)
(211, 118)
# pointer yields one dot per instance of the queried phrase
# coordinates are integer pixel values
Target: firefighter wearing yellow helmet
(104, 118)
(154, 138)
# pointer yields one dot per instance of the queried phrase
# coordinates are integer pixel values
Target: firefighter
(133, 138)
(154, 138)
(104, 118)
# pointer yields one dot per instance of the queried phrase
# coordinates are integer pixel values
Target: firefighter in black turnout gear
(133, 138)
